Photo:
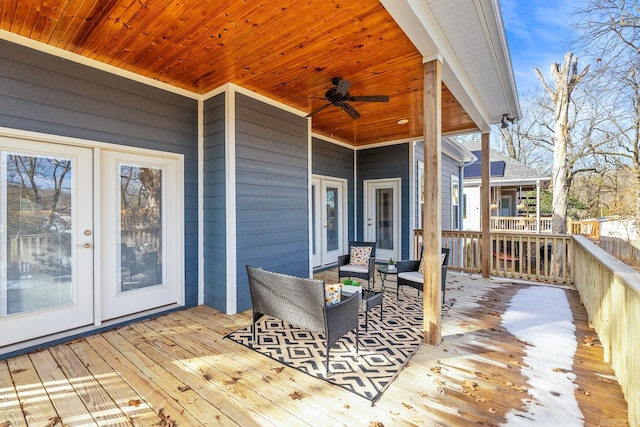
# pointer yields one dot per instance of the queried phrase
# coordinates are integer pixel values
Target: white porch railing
(521, 224)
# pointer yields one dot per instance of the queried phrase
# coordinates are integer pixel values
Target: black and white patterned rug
(383, 350)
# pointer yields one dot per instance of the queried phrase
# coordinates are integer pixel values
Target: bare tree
(565, 78)
(610, 31)
(527, 139)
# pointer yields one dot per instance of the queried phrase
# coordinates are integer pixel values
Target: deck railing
(610, 292)
(590, 229)
(521, 224)
(541, 258)
(536, 257)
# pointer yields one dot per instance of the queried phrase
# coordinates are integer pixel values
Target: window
(455, 202)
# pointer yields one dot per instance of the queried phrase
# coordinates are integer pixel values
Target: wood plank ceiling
(286, 50)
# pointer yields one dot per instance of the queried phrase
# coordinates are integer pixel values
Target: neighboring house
(511, 181)
(178, 175)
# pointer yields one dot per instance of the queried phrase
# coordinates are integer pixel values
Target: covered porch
(177, 370)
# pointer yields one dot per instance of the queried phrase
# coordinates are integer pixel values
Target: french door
(382, 216)
(65, 264)
(328, 222)
(46, 239)
(141, 244)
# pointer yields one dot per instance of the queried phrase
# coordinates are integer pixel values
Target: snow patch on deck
(541, 317)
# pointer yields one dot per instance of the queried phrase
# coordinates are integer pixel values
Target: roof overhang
(440, 30)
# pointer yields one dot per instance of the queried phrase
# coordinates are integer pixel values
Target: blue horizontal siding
(43, 93)
(272, 185)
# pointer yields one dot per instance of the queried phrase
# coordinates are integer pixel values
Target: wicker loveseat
(409, 275)
(301, 302)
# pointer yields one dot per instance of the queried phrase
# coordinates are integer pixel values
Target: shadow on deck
(176, 370)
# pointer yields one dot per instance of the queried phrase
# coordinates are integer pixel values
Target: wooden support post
(432, 220)
(485, 210)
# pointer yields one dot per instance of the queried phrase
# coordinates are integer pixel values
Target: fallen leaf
(375, 424)
(53, 421)
(165, 420)
(134, 402)
(436, 369)
(438, 381)
(278, 369)
(184, 388)
(266, 379)
(561, 370)
(296, 395)
(590, 341)
(406, 405)
(347, 406)
(17, 371)
(470, 385)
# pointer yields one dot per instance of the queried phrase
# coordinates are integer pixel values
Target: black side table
(383, 270)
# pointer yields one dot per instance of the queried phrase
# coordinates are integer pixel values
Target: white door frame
(369, 215)
(322, 256)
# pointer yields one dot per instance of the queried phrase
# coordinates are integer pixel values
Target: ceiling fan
(339, 95)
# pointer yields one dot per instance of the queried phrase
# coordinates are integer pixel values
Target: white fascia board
(491, 20)
(419, 24)
(70, 56)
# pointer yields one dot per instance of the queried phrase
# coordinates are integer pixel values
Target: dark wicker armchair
(408, 274)
(301, 302)
(348, 270)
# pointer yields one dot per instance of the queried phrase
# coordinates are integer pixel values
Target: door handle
(87, 245)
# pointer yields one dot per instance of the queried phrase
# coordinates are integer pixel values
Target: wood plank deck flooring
(177, 370)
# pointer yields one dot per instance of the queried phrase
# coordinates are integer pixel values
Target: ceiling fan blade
(350, 110)
(317, 110)
(343, 87)
(369, 98)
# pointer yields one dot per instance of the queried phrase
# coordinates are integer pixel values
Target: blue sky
(538, 32)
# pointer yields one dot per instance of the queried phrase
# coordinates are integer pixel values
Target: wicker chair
(301, 302)
(345, 269)
(408, 274)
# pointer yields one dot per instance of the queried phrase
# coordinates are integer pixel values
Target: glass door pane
(333, 221)
(38, 223)
(384, 218)
(140, 227)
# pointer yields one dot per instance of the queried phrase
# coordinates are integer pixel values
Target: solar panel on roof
(474, 170)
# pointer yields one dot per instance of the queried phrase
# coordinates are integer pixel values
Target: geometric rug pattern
(383, 350)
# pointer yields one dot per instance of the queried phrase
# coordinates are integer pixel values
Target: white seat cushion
(413, 276)
(354, 269)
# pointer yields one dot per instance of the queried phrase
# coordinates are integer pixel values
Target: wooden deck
(176, 370)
